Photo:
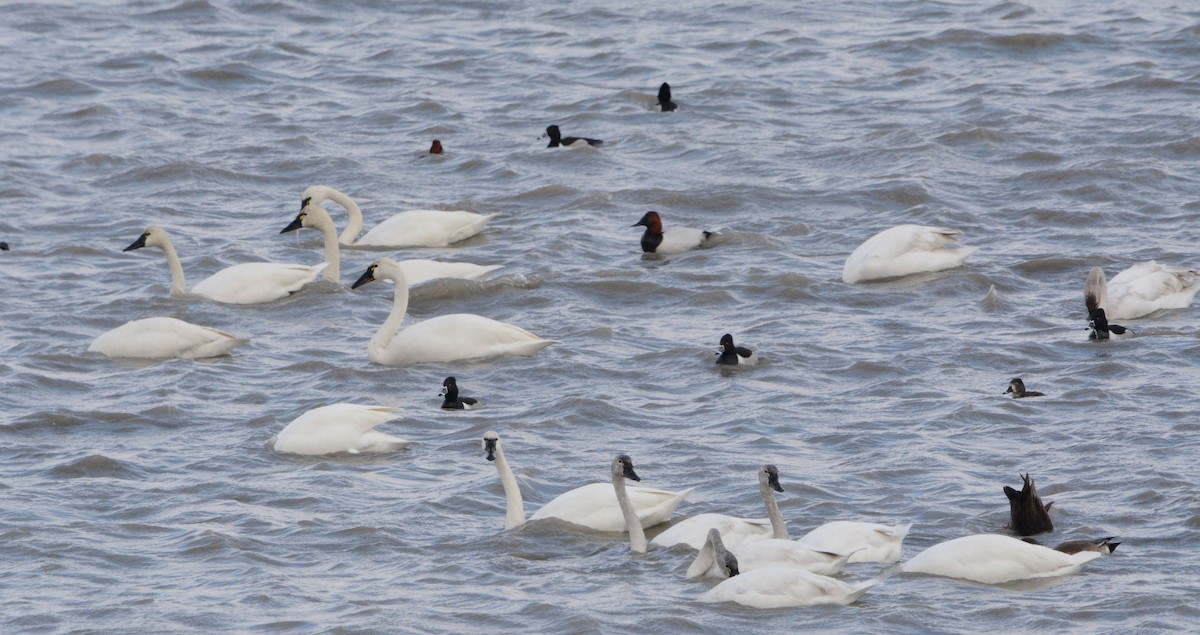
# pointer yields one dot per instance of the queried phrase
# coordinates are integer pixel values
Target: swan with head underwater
(249, 283)
(445, 338)
(596, 506)
(904, 250)
(164, 337)
(1141, 290)
(414, 228)
(996, 559)
(1095, 297)
(340, 427)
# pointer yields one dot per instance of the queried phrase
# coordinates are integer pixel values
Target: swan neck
(637, 536)
(178, 283)
(333, 257)
(778, 527)
(384, 335)
(355, 224)
(512, 492)
(703, 562)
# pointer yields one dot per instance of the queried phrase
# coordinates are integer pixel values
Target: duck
(414, 228)
(436, 147)
(905, 250)
(3, 246)
(1101, 329)
(556, 139)
(1016, 386)
(869, 542)
(453, 401)
(734, 531)
(340, 427)
(595, 506)
(664, 98)
(1141, 290)
(776, 587)
(445, 338)
(1102, 546)
(249, 283)
(164, 337)
(731, 355)
(1027, 514)
(671, 241)
(995, 559)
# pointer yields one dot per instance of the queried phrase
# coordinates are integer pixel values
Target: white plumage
(905, 250)
(164, 337)
(339, 427)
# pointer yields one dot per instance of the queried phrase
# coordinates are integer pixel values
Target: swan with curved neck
(595, 506)
(414, 228)
(444, 338)
(249, 283)
(318, 218)
(734, 531)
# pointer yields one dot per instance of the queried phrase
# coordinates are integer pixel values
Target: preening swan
(452, 400)
(673, 240)
(414, 228)
(775, 587)
(250, 283)
(1141, 290)
(734, 531)
(905, 250)
(340, 427)
(594, 506)
(869, 541)
(995, 559)
(444, 338)
(1027, 514)
(163, 337)
(732, 355)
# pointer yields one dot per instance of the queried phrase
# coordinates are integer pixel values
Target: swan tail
(857, 590)
(217, 348)
(375, 441)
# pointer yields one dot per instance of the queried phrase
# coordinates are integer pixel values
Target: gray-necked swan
(444, 338)
(735, 531)
(905, 250)
(995, 559)
(163, 337)
(595, 506)
(1141, 290)
(340, 427)
(250, 283)
(414, 228)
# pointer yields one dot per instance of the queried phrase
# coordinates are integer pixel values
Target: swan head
(382, 269)
(651, 221)
(491, 444)
(622, 466)
(311, 215)
(315, 195)
(769, 475)
(153, 237)
(725, 561)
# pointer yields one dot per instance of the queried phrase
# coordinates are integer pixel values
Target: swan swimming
(673, 240)
(249, 283)
(869, 542)
(777, 586)
(164, 337)
(693, 531)
(340, 427)
(453, 401)
(1141, 290)
(414, 228)
(732, 355)
(444, 338)
(1027, 514)
(905, 250)
(595, 506)
(995, 559)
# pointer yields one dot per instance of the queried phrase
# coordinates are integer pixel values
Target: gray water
(144, 496)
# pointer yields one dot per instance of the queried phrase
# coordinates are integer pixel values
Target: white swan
(341, 427)
(444, 338)
(250, 283)
(776, 587)
(162, 337)
(905, 250)
(595, 506)
(869, 541)
(1142, 289)
(734, 531)
(995, 559)
(415, 228)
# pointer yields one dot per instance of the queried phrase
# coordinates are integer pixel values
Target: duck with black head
(664, 98)
(1095, 297)
(674, 240)
(436, 148)
(1016, 386)
(453, 401)
(1027, 514)
(731, 355)
(557, 140)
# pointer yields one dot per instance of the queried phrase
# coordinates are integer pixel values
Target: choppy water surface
(143, 496)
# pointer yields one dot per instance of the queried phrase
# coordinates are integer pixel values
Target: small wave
(98, 466)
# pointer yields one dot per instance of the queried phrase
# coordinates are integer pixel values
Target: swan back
(995, 559)
(164, 337)
(905, 250)
(339, 428)
(870, 542)
(780, 587)
(1148, 287)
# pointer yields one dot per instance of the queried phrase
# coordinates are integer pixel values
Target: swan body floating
(557, 140)
(1141, 290)
(1027, 514)
(905, 250)
(995, 559)
(444, 338)
(1016, 387)
(734, 531)
(339, 427)
(869, 542)
(673, 240)
(414, 228)
(164, 337)
(732, 355)
(595, 506)
(249, 283)
(776, 587)
(453, 401)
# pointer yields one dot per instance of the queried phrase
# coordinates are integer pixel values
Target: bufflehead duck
(905, 250)
(1017, 388)
(436, 148)
(731, 355)
(672, 241)
(664, 98)
(453, 401)
(1027, 515)
(556, 139)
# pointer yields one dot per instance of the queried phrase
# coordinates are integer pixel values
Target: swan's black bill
(295, 224)
(489, 446)
(368, 276)
(137, 244)
(627, 468)
(304, 203)
(773, 478)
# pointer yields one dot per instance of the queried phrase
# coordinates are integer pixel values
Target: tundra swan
(905, 250)
(162, 337)
(414, 228)
(340, 427)
(995, 559)
(693, 531)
